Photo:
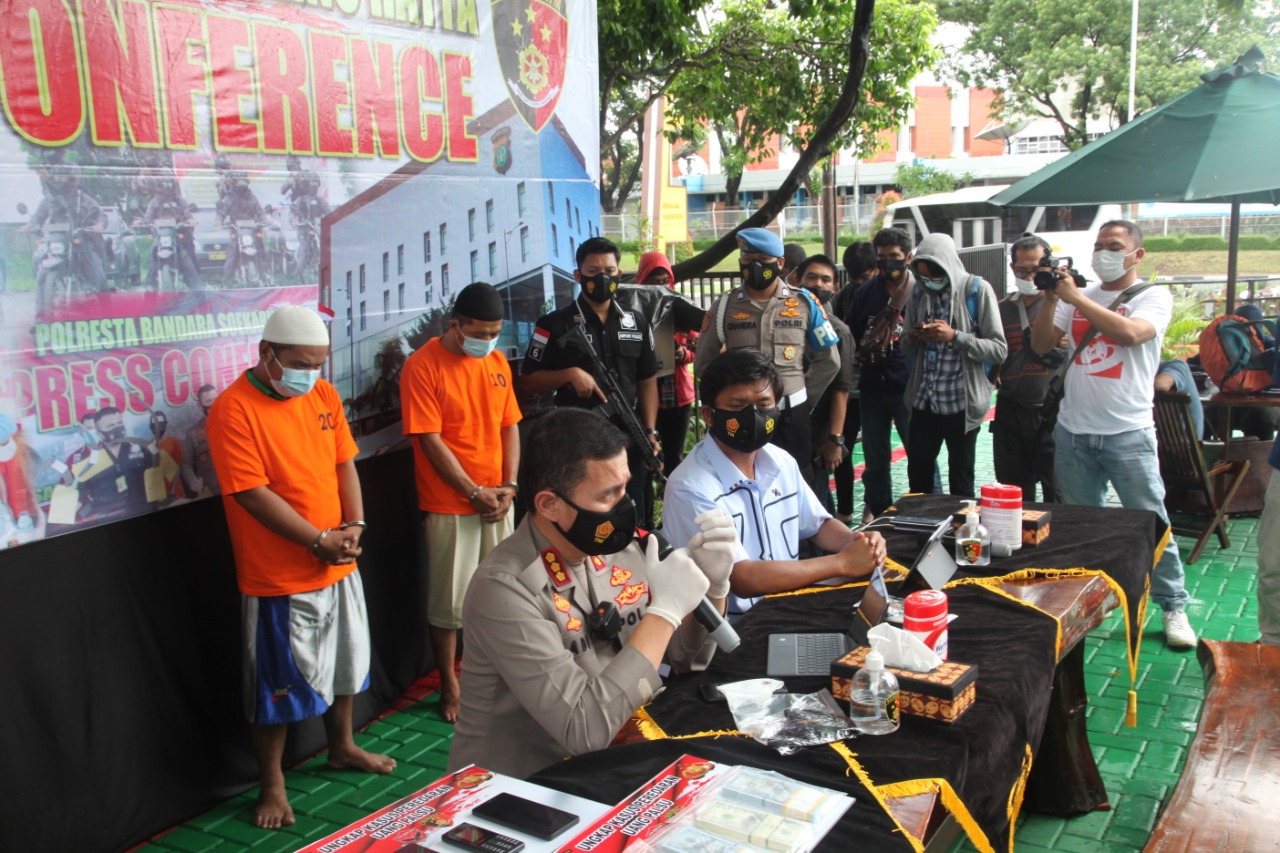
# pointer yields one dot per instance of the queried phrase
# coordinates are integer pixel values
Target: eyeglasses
(1025, 272)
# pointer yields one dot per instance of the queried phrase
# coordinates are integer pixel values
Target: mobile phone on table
(473, 837)
(526, 816)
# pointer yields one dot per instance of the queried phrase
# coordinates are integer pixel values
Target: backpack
(1231, 352)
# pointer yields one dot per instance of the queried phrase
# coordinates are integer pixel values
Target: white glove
(714, 550)
(676, 584)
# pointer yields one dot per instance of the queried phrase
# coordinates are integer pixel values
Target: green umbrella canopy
(1219, 142)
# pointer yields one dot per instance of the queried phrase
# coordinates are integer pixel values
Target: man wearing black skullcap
(458, 402)
(621, 336)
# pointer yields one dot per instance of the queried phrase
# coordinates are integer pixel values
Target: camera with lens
(1047, 279)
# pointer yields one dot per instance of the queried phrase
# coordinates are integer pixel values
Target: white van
(972, 220)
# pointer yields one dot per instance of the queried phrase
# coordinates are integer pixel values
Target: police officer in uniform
(569, 618)
(782, 322)
(622, 337)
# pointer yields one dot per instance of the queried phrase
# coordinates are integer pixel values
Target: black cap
(479, 301)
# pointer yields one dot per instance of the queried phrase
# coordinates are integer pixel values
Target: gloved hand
(676, 584)
(713, 549)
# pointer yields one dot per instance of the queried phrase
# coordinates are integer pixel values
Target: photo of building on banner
(174, 172)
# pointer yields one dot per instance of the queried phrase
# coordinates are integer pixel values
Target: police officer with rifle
(594, 353)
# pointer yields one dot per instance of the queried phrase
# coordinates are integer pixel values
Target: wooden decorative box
(942, 695)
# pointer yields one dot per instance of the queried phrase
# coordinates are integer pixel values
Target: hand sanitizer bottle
(973, 541)
(873, 697)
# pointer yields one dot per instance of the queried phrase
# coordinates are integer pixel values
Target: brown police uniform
(537, 685)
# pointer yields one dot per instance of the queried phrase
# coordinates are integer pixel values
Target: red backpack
(1231, 352)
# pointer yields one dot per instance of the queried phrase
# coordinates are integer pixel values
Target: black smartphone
(527, 816)
(473, 837)
(710, 692)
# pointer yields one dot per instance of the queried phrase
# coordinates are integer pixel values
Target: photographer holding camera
(1105, 429)
(1022, 443)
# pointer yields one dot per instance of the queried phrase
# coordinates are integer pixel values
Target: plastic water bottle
(873, 697)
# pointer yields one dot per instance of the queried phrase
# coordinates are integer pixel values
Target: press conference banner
(174, 171)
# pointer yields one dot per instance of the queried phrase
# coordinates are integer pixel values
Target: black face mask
(747, 429)
(759, 276)
(823, 296)
(595, 533)
(892, 269)
(599, 287)
(113, 434)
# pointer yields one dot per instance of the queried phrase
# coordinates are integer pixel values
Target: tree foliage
(818, 143)
(1069, 59)
(924, 179)
(766, 71)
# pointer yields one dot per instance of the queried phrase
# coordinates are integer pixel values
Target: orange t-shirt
(292, 447)
(467, 401)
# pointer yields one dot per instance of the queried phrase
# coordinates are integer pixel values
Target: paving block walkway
(1139, 765)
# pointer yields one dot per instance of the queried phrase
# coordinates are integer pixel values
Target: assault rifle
(617, 407)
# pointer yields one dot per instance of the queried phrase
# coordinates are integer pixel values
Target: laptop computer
(812, 654)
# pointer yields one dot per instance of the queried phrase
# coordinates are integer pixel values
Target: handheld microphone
(718, 628)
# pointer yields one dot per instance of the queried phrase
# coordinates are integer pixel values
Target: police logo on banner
(533, 40)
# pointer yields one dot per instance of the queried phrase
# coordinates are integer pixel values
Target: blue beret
(760, 240)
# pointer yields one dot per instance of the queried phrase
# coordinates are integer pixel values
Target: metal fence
(1215, 226)
(796, 222)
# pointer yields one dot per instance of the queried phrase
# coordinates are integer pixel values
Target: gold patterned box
(942, 695)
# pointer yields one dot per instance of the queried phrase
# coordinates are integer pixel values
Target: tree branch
(818, 147)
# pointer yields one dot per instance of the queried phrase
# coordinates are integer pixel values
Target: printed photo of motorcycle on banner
(173, 174)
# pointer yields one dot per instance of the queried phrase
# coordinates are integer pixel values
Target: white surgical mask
(476, 347)
(1026, 288)
(1109, 265)
(293, 381)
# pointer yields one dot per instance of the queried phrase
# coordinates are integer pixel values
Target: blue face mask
(935, 285)
(476, 347)
(293, 381)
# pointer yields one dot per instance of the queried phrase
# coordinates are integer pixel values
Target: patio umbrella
(1219, 142)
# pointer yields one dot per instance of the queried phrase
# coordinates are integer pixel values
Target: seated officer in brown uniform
(568, 619)
(784, 323)
(623, 339)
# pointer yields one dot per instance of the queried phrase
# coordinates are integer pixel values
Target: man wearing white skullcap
(285, 458)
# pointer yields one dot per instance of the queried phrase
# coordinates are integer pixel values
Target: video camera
(1046, 278)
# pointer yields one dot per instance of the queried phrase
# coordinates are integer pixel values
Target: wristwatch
(836, 439)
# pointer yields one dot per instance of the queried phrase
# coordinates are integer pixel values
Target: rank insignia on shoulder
(555, 567)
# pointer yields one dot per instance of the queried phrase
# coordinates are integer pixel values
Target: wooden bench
(1225, 799)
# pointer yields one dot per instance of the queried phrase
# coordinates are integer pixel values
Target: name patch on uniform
(788, 324)
(735, 327)
(630, 336)
(555, 568)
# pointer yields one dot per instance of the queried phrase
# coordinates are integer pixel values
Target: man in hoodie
(955, 333)
(1106, 430)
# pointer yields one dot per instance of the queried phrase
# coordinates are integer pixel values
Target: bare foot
(357, 759)
(273, 809)
(450, 702)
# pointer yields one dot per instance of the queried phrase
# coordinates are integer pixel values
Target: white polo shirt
(772, 513)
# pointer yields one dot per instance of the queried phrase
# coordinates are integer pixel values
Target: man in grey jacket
(955, 333)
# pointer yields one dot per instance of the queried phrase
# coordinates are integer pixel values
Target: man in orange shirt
(457, 400)
(285, 459)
